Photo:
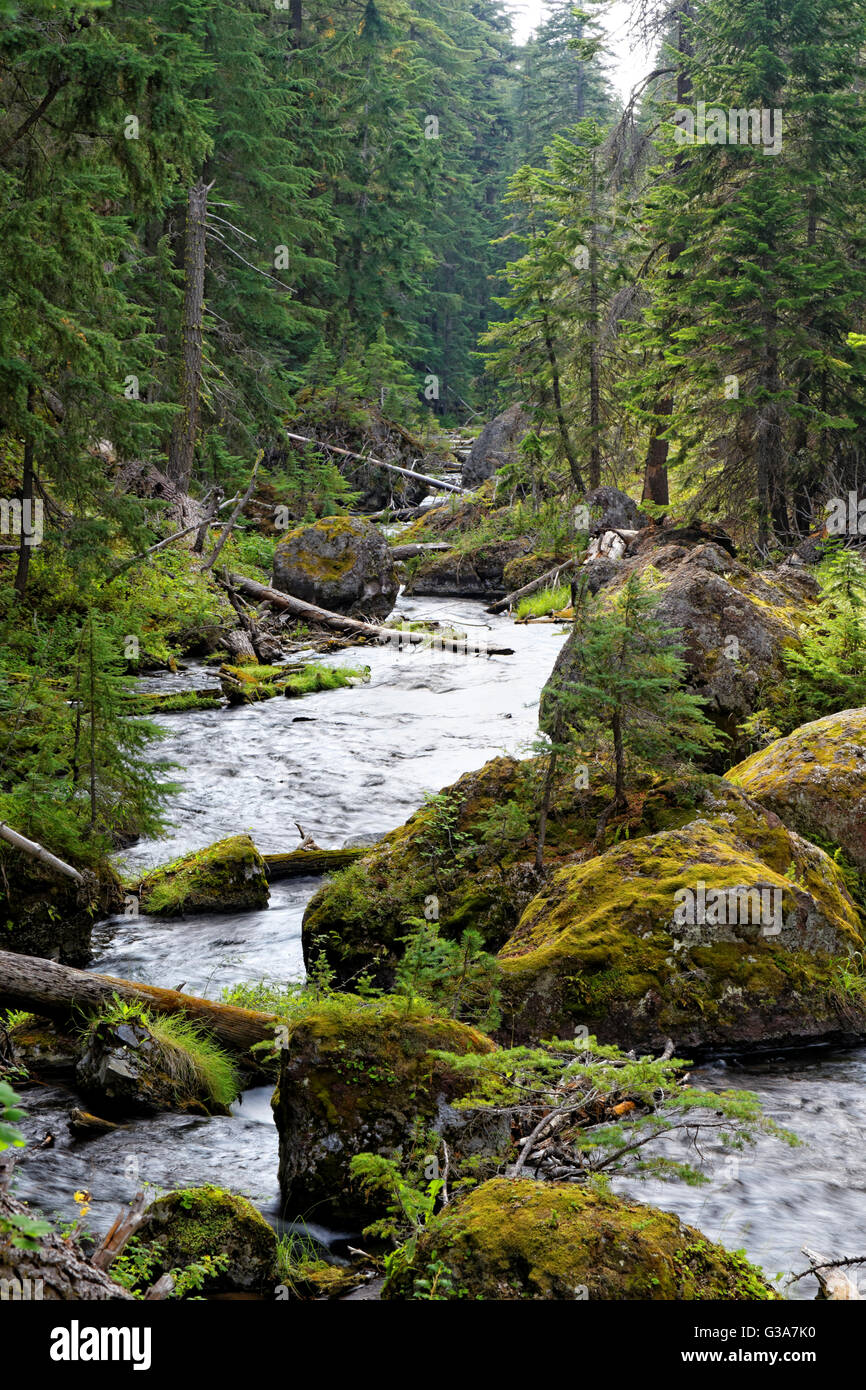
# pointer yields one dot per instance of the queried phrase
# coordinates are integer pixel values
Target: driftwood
(37, 852)
(240, 647)
(310, 861)
(60, 991)
(835, 1284)
(399, 637)
(125, 1226)
(507, 602)
(380, 463)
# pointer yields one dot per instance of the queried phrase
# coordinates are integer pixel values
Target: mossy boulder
(474, 572)
(615, 944)
(46, 914)
(815, 780)
(735, 624)
(339, 563)
(358, 1076)
(123, 1069)
(477, 875)
(183, 1227)
(526, 568)
(522, 1239)
(229, 876)
(497, 445)
(43, 1048)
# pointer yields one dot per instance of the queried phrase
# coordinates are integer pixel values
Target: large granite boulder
(815, 780)
(341, 564)
(496, 445)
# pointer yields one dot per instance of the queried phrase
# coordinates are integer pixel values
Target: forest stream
(356, 762)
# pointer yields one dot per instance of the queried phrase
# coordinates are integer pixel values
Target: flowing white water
(358, 762)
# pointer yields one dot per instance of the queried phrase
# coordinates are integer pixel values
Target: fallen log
(508, 601)
(61, 992)
(380, 463)
(37, 852)
(398, 637)
(309, 861)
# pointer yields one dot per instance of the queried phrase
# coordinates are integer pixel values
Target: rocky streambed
(351, 764)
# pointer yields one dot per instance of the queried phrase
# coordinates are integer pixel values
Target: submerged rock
(511, 1240)
(229, 876)
(359, 1076)
(183, 1227)
(341, 564)
(652, 940)
(815, 780)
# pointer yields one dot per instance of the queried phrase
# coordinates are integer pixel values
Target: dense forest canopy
(371, 223)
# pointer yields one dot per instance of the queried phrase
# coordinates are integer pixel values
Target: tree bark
(185, 427)
(655, 484)
(59, 991)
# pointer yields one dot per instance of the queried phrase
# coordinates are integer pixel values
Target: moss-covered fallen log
(309, 861)
(61, 992)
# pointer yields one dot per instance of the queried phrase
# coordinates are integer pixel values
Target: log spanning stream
(357, 762)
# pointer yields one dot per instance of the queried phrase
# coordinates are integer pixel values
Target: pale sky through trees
(629, 61)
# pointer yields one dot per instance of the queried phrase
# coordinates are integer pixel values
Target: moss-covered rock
(43, 1048)
(229, 876)
(357, 1076)
(474, 572)
(815, 780)
(528, 1240)
(183, 1227)
(339, 563)
(736, 625)
(608, 944)
(524, 569)
(45, 914)
(132, 1068)
(474, 873)
(246, 685)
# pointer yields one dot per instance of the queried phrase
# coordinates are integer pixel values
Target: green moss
(599, 946)
(229, 875)
(185, 1225)
(539, 1241)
